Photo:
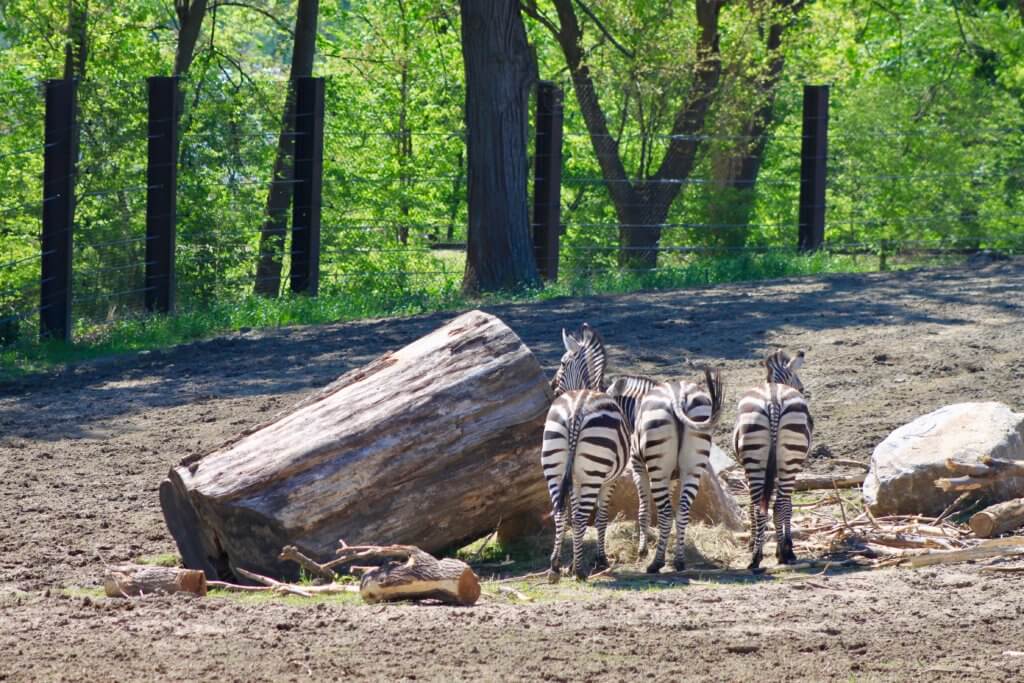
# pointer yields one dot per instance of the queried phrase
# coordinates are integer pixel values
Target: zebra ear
(797, 362)
(570, 342)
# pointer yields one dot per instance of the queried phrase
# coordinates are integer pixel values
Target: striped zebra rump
(772, 439)
(675, 424)
(585, 449)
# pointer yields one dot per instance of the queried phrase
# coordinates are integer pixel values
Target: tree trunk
(735, 168)
(279, 195)
(190, 21)
(998, 519)
(499, 72)
(430, 445)
(642, 205)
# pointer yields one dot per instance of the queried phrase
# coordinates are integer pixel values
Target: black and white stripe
(582, 364)
(585, 449)
(674, 426)
(772, 439)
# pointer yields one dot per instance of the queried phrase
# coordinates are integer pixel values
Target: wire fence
(394, 213)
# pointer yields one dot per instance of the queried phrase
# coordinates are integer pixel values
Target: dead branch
(810, 482)
(292, 554)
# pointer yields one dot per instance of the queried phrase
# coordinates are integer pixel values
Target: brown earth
(83, 451)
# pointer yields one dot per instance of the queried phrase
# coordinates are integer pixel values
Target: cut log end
(998, 519)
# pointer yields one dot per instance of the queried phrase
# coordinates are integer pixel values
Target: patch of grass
(265, 597)
(83, 592)
(165, 560)
(199, 321)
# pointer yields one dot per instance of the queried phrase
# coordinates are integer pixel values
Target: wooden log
(811, 482)
(995, 547)
(132, 580)
(965, 483)
(998, 519)
(430, 444)
(420, 576)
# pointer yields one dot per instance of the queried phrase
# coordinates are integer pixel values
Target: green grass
(137, 333)
(165, 560)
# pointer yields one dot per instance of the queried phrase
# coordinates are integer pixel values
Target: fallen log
(996, 547)
(429, 444)
(998, 519)
(132, 580)
(811, 482)
(420, 577)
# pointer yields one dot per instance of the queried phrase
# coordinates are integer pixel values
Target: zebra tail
(566, 485)
(771, 467)
(715, 392)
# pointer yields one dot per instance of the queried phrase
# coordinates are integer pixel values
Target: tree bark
(499, 73)
(279, 195)
(190, 22)
(735, 167)
(642, 204)
(131, 580)
(998, 519)
(428, 445)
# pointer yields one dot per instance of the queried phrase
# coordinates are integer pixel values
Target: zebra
(772, 439)
(582, 364)
(673, 434)
(584, 450)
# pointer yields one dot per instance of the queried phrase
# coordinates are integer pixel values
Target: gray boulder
(904, 467)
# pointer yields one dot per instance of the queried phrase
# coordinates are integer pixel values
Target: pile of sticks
(982, 478)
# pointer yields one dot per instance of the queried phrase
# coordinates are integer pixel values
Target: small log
(996, 547)
(970, 469)
(420, 577)
(811, 482)
(130, 580)
(998, 519)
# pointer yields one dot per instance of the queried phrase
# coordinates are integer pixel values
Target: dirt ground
(83, 451)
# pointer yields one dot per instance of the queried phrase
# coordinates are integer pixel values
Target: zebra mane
(781, 368)
(583, 364)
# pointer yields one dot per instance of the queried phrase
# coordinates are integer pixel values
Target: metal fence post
(547, 179)
(306, 201)
(58, 210)
(161, 193)
(813, 164)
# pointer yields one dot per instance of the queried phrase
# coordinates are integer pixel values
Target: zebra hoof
(554, 576)
(655, 567)
(755, 563)
(679, 565)
(581, 576)
(784, 553)
(601, 563)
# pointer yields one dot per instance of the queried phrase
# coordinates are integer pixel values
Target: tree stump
(428, 445)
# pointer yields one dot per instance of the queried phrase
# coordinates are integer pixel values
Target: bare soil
(82, 452)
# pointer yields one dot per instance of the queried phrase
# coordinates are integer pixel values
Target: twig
(480, 551)
(851, 463)
(952, 506)
(842, 508)
(272, 583)
(291, 553)
(523, 577)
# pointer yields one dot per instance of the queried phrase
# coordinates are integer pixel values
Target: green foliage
(926, 149)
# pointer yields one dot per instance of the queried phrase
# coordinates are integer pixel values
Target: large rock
(904, 467)
(713, 504)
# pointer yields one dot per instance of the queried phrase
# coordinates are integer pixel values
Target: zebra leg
(643, 493)
(688, 486)
(583, 504)
(758, 524)
(783, 536)
(601, 521)
(555, 571)
(663, 500)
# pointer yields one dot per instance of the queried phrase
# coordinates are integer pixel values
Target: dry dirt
(83, 451)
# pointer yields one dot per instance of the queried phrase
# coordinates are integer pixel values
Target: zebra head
(582, 365)
(782, 369)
